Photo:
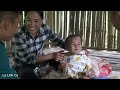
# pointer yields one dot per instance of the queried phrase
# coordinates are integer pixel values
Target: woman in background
(28, 45)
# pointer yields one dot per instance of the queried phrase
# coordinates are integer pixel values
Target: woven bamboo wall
(94, 27)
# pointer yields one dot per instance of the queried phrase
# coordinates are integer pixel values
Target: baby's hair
(69, 38)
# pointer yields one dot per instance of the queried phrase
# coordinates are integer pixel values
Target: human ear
(7, 24)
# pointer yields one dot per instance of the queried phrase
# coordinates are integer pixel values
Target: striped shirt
(26, 48)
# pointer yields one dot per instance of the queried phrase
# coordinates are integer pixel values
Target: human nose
(77, 46)
(32, 23)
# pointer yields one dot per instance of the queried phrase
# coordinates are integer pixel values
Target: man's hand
(58, 56)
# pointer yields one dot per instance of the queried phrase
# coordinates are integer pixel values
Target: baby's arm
(92, 73)
(62, 65)
(85, 52)
(89, 75)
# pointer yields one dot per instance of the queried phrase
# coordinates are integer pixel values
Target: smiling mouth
(32, 29)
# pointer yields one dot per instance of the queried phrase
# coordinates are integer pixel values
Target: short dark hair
(69, 38)
(39, 12)
(11, 15)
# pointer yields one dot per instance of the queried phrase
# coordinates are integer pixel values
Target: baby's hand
(87, 52)
(63, 64)
(92, 73)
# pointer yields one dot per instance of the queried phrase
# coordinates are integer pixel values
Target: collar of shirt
(2, 43)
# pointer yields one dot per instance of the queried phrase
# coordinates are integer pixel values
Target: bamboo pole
(118, 40)
(65, 24)
(104, 28)
(93, 29)
(77, 24)
(88, 28)
(72, 15)
(110, 32)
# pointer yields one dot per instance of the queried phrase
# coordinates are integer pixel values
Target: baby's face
(75, 46)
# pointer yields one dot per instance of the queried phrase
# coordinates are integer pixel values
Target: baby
(77, 64)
